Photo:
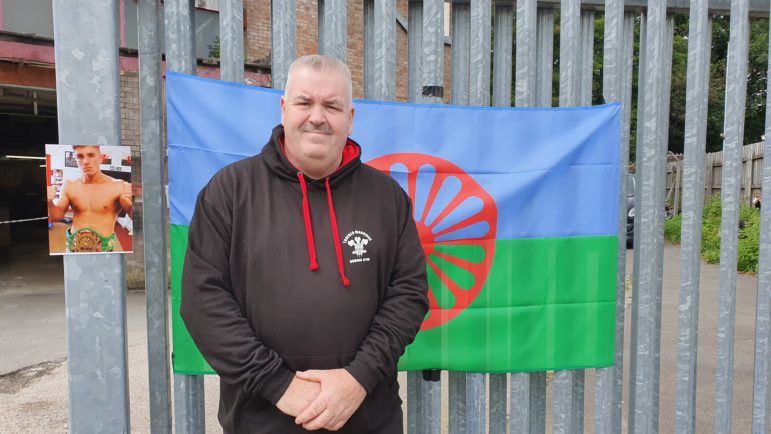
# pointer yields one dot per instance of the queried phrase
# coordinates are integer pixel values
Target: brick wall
(257, 38)
(130, 136)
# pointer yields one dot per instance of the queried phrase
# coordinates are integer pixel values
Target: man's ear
(283, 107)
(350, 122)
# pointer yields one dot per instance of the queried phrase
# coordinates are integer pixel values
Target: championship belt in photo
(87, 240)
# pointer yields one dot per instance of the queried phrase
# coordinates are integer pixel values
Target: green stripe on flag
(186, 359)
(548, 303)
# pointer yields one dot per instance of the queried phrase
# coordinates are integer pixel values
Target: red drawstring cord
(308, 227)
(336, 237)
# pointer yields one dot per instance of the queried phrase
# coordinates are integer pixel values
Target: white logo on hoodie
(359, 241)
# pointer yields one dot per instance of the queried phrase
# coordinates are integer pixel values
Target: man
(300, 341)
(95, 198)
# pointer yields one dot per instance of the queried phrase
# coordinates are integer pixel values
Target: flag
(517, 211)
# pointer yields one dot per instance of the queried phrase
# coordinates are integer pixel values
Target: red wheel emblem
(456, 220)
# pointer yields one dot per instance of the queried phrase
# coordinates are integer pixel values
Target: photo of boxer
(89, 206)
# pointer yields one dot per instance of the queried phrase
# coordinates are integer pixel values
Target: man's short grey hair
(320, 62)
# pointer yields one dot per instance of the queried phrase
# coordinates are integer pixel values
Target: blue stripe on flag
(552, 172)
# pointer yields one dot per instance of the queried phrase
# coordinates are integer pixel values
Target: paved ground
(33, 376)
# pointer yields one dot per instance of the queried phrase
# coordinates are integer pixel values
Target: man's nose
(316, 115)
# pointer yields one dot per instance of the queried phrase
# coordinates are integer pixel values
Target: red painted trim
(122, 23)
(27, 52)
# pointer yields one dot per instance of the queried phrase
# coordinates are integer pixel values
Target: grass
(749, 234)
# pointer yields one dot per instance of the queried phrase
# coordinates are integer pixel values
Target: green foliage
(672, 229)
(214, 49)
(749, 234)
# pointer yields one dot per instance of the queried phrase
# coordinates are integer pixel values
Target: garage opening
(27, 122)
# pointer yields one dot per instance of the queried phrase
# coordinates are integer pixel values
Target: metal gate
(87, 91)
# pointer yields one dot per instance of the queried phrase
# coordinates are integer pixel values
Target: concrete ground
(33, 371)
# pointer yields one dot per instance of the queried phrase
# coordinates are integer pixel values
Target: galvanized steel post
(232, 40)
(154, 213)
(527, 57)
(95, 293)
(179, 16)
(461, 17)
(544, 57)
(380, 49)
(761, 398)
(479, 95)
(460, 31)
(334, 29)
(415, 51)
(649, 217)
(568, 386)
(699, 37)
(501, 98)
(283, 40)
(586, 59)
(614, 53)
(735, 97)
(432, 62)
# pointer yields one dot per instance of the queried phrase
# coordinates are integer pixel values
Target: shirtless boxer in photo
(96, 199)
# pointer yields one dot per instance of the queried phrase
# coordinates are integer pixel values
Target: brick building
(28, 93)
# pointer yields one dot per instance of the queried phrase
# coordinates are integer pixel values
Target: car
(631, 189)
(631, 185)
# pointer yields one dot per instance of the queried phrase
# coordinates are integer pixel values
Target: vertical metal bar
(415, 50)
(570, 64)
(613, 76)
(430, 74)
(414, 75)
(461, 16)
(527, 60)
(637, 207)
(413, 402)
(661, 173)
(232, 40)
(544, 57)
(283, 40)
(761, 401)
(699, 37)
(501, 98)
(154, 217)
(587, 57)
(502, 57)
(479, 95)
(179, 16)
(88, 112)
(568, 386)
(649, 217)
(433, 52)
(380, 49)
(533, 72)
(334, 28)
(735, 98)
(481, 30)
(461, 29)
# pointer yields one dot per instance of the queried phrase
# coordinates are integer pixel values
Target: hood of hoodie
(275, 157)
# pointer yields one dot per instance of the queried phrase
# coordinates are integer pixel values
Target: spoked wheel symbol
(456, 220)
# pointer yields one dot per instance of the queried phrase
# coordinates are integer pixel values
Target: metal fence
(87, 91)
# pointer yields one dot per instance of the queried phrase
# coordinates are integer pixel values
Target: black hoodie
(270, 285)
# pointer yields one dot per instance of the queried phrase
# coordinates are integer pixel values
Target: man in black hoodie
(305, 345)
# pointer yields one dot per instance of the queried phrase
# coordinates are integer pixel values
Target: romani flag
(516, 209)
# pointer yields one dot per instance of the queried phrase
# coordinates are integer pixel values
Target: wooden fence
(752, 174)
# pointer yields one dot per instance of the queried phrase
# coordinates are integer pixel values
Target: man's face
(89, 159)
(317, 116)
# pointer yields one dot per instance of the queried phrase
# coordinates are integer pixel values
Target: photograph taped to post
(89, 197)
